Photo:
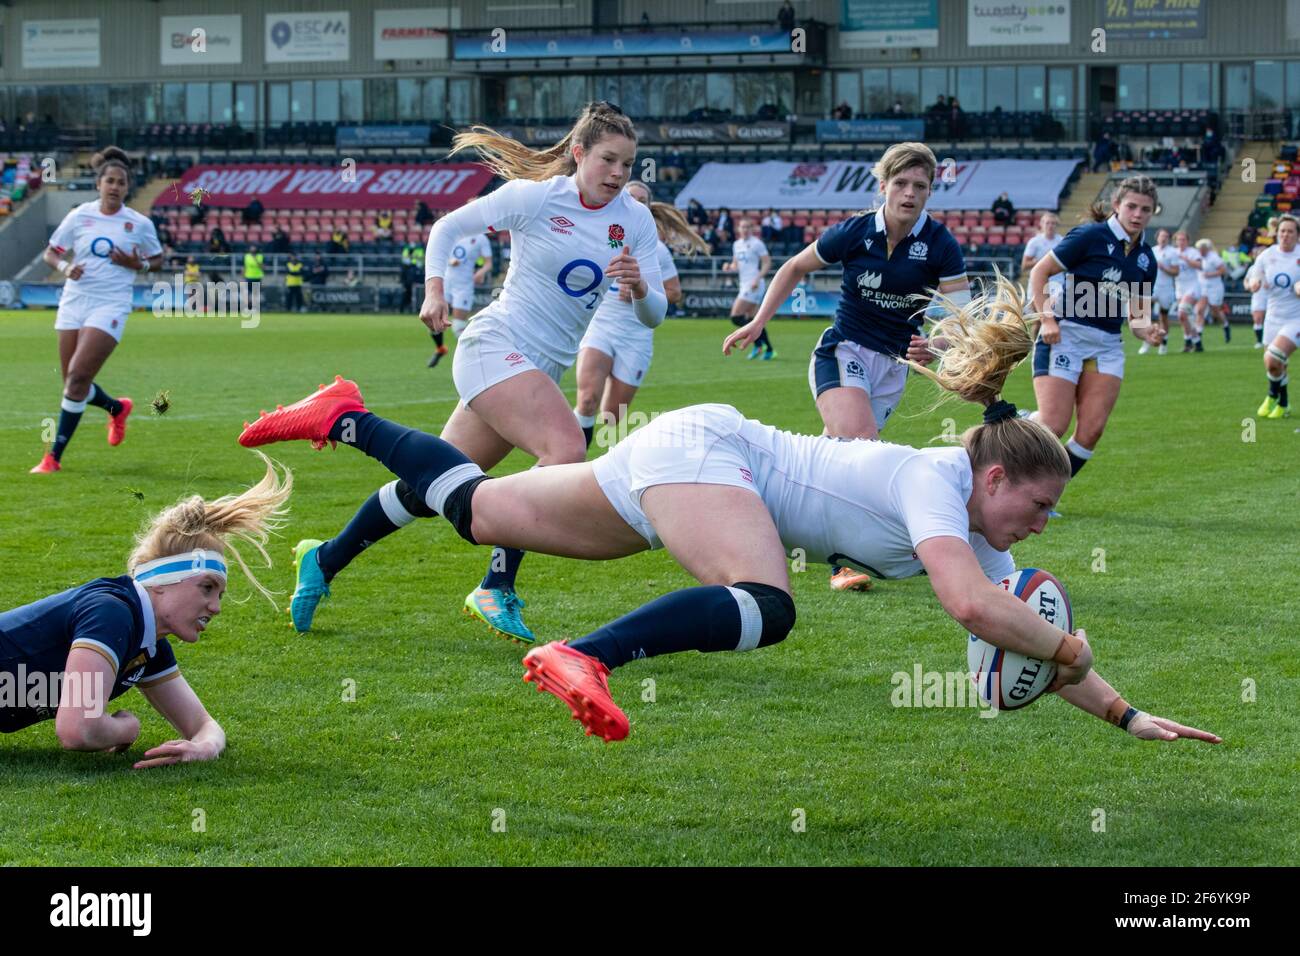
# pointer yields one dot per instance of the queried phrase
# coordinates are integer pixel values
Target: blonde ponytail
(511, 159)
(195, 524)
(675, 231)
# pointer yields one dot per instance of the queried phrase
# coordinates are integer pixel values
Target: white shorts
(1080, 346)
(1214, 293)
(1275, 327)
(1187, 298)
(698, 445)
(84, 312)
(486, 354)
(1165, 298)
(838, 363)
(1259, 301)
(630, 350)
(754, 296)
(460, 299)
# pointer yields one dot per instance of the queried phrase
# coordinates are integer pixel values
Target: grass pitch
(790, 755)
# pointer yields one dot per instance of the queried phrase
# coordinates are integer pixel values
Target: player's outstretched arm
(783, 283)
(1098, 698)
(202, 737)
(81, 721)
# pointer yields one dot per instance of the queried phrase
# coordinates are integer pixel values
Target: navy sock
(1274, 387)
(1282, 396)
(763, 340)
(101, 399)
(410, 454)
(69, 415)
(367, 526)
(503, 568)
(1259, 335)
(437, 338)
(694, 619)
(588, 432)
(1076, 463)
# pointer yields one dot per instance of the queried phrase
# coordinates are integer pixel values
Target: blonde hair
(1142, 185)
(195, 524)
(511, 159)
(1203, 244)
(987, 338)
(903, 156)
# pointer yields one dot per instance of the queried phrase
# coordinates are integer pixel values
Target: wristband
(1127, 718)
(63, 266)
(146, 267)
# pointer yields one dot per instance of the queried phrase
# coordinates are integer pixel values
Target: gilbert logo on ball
(1005, 679)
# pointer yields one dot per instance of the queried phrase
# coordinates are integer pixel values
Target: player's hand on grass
(434, 312)
(1146, 726)
(129, 720)
(175, 751)
(1049, 331)
(918, 350)
(1076, 671)
(743, 336)
(626, 271)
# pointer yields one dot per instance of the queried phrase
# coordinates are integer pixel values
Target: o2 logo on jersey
(562, 280)
(1282, 280)
(101, 243)
(458, 253)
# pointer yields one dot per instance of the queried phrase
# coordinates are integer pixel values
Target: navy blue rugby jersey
(1107, 272)
(883, 297)
(111, 616)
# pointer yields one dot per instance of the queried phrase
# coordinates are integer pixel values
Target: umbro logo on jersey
(747, 475)
(562, 222)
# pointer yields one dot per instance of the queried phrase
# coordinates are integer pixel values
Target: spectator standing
(252, 214)
(293, 270)
(785, 17)
(338, 242)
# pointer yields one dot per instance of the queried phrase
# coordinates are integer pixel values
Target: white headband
(178, 567)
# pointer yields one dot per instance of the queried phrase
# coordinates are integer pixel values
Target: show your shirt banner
(306, 37)
(201, 39)
(60, 43)
(888, 23)
(1006, 23)
(1030, 184)
(1154, 19)
(415, 34)
(368, 186)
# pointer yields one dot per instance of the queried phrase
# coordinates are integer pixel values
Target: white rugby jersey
(467, 251)
(620, 316)
(865, 504)
(1168, 257)
(561, 249)
(1209, 263)
(1188, 280)
(92, 237)
(1281, 274)
(748, 254)
(1039, 246)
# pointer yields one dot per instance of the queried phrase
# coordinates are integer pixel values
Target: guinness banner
(766, 131)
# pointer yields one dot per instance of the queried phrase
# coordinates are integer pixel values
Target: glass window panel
(609, 89)
(690, 94)
(246, 104)
(173, 100)
(123, 105)
(435, 98)
(1268, 85)
(519, 94)
(970, 88)
(461, 101)
(408, 98)
(1132, 94)
(1196, 86)
(721, 91)
(300, 101)
(660, 92)
(196, 103)
(1030, 92)
(546, 97)
(1293, 84)
(848, 89)
(875, 91)
(634, 97)
(905, 87)
(1001, 88)
(352, 103)
(1060, 88)
(383, 99)
(327, 100)
(223, 109)
(1162, 86)
(934, 82)
(1236, 86)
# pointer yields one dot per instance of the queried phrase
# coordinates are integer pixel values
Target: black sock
(763, 340)
(69, 415)
(1282, 396)
(101, 399)
(1076, 463)
(1259, 334)
(694, 619)
(437, 338)
(503, 569)
(1274, 387)
(368, 525)
(588, 432)
(412, 455)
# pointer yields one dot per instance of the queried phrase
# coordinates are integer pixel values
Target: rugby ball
(1007, 680)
